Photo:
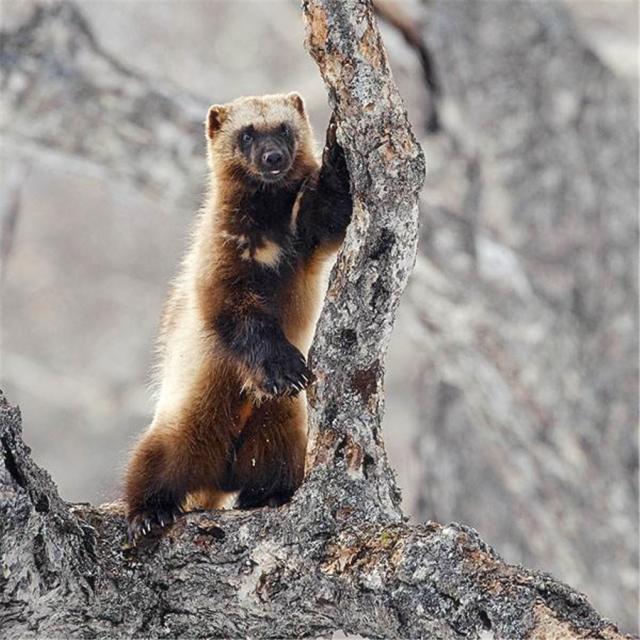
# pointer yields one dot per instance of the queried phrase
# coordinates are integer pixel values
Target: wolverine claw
(148, 519)
(331, 140)
(284, 372)
(331, 132)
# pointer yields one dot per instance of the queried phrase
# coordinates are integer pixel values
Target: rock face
(523, 301)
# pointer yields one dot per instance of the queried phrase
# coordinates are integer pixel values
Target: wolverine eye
(246, 136)
(286, 131)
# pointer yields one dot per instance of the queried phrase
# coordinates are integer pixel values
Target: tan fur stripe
(268, 254)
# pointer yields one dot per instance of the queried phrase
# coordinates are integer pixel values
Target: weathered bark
(387, 170)
(303, 570)
(339, 555)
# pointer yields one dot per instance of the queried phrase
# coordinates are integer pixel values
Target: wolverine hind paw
(151, 519)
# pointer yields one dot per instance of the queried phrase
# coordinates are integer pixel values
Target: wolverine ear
(216, 116)
(296, 100)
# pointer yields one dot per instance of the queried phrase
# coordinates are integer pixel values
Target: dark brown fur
(239, 321)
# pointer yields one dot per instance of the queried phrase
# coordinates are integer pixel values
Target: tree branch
(289, 572)
(62, 91)
(386, 168)
(338, 556)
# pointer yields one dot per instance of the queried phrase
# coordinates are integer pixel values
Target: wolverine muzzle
(274, 159)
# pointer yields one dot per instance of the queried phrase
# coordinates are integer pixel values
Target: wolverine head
(266, 138)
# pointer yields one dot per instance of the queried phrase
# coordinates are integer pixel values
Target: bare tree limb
(387, 170)
(338, 556)
(62, 91)
(300, 571)
(393, 13)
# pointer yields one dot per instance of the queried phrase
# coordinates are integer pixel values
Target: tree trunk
(339, 556)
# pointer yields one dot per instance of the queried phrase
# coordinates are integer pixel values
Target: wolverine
(231, 415)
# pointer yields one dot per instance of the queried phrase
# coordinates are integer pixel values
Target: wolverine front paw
(151, 519)
(285, 373)
(334, 165)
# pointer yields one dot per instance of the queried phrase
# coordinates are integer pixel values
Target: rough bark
(387, 170)
(339, 555)
(304, 570)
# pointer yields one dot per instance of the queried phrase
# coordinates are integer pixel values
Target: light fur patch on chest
(268, 254)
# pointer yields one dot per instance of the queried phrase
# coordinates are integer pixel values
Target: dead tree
(340, 555)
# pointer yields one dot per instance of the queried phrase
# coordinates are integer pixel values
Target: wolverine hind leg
(153, 495)
(169, 462)
(269, 464)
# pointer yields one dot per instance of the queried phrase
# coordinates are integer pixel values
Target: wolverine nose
(273, 160)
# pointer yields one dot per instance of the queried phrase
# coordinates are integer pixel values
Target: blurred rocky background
(512, 385)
